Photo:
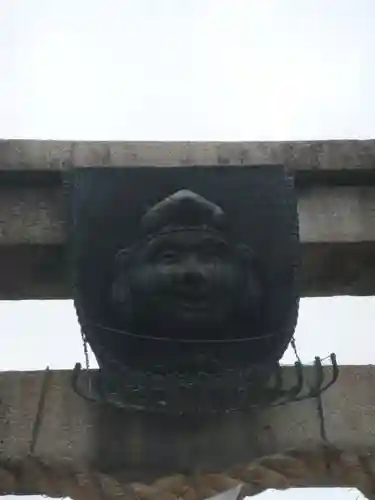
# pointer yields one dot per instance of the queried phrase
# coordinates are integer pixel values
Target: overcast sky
(187, 70)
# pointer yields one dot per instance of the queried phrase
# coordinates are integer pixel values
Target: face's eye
(208, 255)
(214, 253)
(168, 257)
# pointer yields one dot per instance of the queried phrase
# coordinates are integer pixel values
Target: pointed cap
(183, 209)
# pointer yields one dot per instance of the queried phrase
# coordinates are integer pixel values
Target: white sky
(187, 70)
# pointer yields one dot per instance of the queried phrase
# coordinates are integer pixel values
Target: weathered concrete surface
(337, 215)
(301, 155)
(142, 447)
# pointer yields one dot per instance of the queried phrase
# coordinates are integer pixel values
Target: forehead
(185, 240)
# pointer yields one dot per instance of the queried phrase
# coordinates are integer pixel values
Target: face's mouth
(194, 305)
(192, 297)
(189, 300)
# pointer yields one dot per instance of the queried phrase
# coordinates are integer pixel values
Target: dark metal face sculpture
(172, 286)
(185, 278)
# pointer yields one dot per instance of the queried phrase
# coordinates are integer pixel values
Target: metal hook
(335, 372)
(105, 388)
(315, 388)
(86, 393)
(293, 392)
(319, 387)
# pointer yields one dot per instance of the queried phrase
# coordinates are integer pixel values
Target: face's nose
(192, 271)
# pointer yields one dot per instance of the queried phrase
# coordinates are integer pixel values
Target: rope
(280, 471)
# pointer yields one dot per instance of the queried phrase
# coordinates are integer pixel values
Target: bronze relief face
(187, 304)
(186, 276)
(185, 280)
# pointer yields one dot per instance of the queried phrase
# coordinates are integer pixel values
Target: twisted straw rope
(323, 467)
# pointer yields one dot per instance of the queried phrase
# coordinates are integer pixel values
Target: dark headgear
(181, 211)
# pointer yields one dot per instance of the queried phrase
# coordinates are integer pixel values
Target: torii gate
(54, 443)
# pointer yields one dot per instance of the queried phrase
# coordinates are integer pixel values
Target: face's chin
(192, 310)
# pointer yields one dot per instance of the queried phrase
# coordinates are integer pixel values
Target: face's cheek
(150, 280)
(143, 279)
(225, 276)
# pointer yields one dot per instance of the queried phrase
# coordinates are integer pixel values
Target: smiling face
(185, 280)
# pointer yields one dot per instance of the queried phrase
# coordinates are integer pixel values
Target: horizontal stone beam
(56, 443)
(297, 156)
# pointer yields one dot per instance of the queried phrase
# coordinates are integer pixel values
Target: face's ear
(254, 286)
(122, 257)
(245, 253)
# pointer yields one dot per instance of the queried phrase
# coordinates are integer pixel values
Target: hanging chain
(320, 411)
(323, 431)
(294, 347)
(85, 350)
(66, 187)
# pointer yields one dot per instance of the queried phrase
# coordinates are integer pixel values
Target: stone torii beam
(55, 443)
(335, 182)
